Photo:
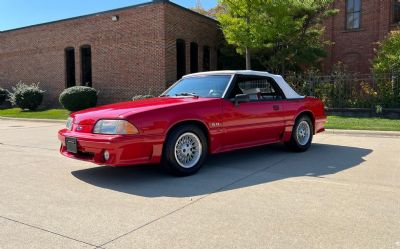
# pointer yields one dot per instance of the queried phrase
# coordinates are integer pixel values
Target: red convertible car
(201, 114)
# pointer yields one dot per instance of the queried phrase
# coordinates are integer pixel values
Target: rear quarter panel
(296, 107)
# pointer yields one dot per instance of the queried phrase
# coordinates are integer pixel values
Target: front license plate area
(72, 144)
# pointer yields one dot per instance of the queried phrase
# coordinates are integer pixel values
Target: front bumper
(124, 150)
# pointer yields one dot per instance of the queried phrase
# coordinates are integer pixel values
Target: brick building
(121, 53)
(357, 28)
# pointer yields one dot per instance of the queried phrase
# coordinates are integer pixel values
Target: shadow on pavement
(227, 171)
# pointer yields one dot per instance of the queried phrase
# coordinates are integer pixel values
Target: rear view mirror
(241, 98)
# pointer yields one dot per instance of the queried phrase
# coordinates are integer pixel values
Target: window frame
(180, 69)
(194, 57)
(347, 13)
(70, 81)
(240, 77)
(85, 67)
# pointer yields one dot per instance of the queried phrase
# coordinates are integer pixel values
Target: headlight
(69, 123)
(114, 127)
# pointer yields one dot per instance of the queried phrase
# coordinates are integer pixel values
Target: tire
(302, 134)
(185, 150)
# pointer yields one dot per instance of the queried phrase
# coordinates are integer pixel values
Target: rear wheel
(185, 150)
(302, 134)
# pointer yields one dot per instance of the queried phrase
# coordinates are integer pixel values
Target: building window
(194, 57)
(86, 65)
(353, 14)
(206, 58)
(180, 58)
(70, 80)
(396, 12)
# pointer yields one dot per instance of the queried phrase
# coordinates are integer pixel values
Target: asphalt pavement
(343, 193)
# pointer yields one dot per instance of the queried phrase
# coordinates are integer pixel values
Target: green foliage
(78, 98)
(388, 89)
(343, 89)
(378, 109)
(229, 59)
(139, 97)
(388, 61)
(212, 13)
(242, 23)
(388, 54)
(26, 96)
(285, 35)
(3, 95)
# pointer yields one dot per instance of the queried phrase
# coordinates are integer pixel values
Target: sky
(21, 13)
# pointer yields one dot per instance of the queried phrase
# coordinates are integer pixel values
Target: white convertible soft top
(286, 88)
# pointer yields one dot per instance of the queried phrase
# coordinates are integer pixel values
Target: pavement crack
(29, 147)
(154, 220)
(48, 231)
(197, 200)
(32, 127)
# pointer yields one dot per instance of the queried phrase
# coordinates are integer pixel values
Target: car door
(259, 121)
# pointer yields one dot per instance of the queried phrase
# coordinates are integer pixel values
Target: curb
(55, 121)
(364, 133)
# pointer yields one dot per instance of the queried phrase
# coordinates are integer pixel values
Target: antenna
(198, 4)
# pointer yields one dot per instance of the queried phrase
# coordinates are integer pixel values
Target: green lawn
(39, 114)
(375, 124)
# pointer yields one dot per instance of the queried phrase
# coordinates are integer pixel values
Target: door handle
(275, 107)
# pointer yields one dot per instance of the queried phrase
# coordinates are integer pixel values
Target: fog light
(106, 155)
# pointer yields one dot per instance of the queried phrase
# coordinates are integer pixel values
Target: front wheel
(302, 135)
(185, 150)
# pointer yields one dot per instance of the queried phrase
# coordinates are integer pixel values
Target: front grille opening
(86, 155)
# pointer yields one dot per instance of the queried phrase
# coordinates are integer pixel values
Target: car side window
(257, 88)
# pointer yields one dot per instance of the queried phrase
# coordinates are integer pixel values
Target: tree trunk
(248, 59)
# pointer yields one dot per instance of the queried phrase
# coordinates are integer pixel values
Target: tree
(387, 62)
(388, 54)
(212, 13)
(242, 25)
(283, 34)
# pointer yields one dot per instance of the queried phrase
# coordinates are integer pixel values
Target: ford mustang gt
(201, 114)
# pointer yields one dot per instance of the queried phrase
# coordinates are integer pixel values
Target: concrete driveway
(343, 193)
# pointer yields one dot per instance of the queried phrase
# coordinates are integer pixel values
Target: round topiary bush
(26, 96)
(3, 95)
(78, 98)
(139, 97)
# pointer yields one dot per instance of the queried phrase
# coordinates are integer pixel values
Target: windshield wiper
(164, 95)
(187, 94)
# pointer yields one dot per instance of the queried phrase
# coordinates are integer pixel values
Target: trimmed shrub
(26, 96)
(3, 95)
(139, 97)
(78, 98)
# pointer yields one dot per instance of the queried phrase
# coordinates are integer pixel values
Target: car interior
(257, 88)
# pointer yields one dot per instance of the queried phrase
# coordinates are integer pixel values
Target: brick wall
(189, 27)
(355, 48)
(135, 55)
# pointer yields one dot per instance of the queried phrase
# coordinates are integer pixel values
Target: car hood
(125, 109)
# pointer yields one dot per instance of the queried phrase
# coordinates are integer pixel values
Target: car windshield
(202, 86)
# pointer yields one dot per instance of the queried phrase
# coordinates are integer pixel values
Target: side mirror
(241, 98)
